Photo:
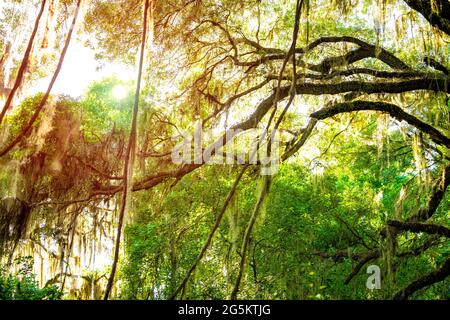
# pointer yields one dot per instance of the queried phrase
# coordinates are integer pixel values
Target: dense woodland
(356, 92)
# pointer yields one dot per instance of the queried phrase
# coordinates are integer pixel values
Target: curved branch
(375, 51)
(420, 227)
(389, 108)
(437, 16)
(425, 281)
(437, 194)
(436, 65)
(262, 109)
(370, 256)
(365, 50)
(371, 87)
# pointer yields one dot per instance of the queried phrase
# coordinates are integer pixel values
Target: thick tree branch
(420, 227)
(262, 109)
(436, 65)
(389, 108)
(438, 15)
(425, 281)
(437, 194)
(436, 85)
(365, 50)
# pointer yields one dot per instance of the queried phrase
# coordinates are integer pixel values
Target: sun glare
(119, 92)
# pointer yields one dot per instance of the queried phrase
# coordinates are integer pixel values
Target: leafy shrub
(22, 284)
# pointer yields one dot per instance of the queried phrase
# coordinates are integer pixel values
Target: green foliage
(103, 110)
(22, 284)
(327, 204)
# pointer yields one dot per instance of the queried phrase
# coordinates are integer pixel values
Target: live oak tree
(363, 90)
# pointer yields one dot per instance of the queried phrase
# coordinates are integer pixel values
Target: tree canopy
(265, 150)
